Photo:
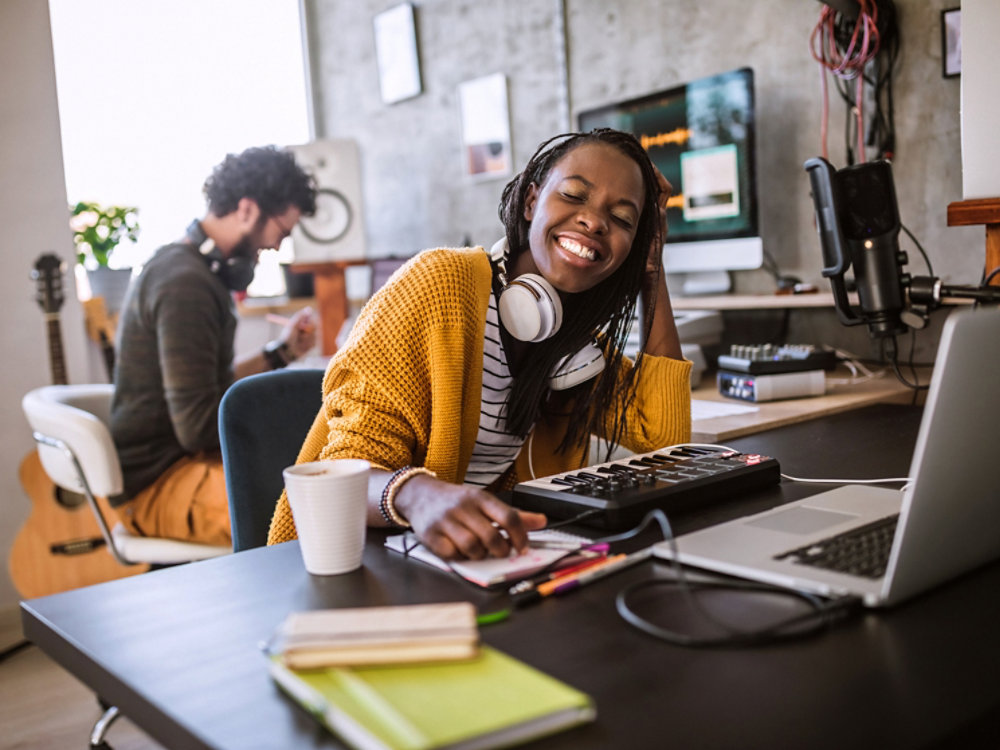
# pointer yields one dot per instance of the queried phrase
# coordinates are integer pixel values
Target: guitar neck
(108, 350)
(57, 361)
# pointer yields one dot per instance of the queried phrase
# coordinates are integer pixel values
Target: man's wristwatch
(277, 354)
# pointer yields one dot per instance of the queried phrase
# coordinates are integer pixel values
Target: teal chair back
(263, 420)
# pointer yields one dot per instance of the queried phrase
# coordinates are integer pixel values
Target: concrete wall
(33, 194)
(415, 194)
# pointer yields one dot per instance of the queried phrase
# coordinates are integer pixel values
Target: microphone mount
(857, 219)
(927, 293)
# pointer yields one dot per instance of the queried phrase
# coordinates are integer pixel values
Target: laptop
(945, 522)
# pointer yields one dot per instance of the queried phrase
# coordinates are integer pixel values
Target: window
(152, 95)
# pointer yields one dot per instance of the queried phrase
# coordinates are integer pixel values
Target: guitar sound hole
(69, 499)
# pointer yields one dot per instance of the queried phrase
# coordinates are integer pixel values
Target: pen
(564, 582)
(600, 571)
(281, 320)
(528, 592)
(565, 544)
(595, 558)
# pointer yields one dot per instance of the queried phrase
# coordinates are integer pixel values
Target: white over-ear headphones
(530, 310)
(529, 306)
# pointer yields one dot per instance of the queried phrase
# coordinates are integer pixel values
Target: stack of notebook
(443, 689)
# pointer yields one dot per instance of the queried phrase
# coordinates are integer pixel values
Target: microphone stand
(927, 293)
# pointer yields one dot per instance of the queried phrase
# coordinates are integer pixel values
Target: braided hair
(606, 309)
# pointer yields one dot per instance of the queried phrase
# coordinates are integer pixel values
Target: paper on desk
(701, 409)
(493, 571)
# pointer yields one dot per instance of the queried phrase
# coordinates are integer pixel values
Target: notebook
(351, 636)
(948, 515)
(500, 571)
(493, 700)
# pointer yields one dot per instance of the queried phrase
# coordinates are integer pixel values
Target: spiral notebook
(496, 571)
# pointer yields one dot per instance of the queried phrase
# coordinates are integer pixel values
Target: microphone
(857, 219)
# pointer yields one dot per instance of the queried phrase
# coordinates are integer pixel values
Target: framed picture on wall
(485, 127)
(951, 42)
(396, 54)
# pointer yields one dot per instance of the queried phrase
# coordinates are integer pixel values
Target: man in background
(175, 347)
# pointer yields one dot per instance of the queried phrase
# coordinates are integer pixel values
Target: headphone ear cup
(577, 368)
(530, 308)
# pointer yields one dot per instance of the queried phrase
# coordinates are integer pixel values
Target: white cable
(854, 364)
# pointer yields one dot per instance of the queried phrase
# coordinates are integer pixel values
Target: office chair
(70, 424)
(263, 420)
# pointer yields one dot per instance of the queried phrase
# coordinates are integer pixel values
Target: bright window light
(153, 94)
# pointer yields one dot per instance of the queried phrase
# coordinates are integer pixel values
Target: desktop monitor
(701, 136)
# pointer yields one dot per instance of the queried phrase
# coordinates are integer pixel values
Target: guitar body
(60, 546)
(35, 568)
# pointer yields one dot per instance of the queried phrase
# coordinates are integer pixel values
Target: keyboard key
(863, 551)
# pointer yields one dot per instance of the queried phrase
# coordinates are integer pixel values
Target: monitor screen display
(701, 136)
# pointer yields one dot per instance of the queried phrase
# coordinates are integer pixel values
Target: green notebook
(491, 701)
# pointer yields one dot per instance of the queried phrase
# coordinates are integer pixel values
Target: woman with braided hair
(473, 369)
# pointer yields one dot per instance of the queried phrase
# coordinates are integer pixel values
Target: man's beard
(238, 269)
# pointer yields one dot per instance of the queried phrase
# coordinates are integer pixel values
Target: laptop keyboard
(863, 551)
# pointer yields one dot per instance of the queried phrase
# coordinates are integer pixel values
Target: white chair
(70, 424)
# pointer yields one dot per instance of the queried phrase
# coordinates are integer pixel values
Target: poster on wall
(485, 127)
(396, 54)
(951, 42)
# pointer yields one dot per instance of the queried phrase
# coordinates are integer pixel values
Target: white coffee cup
(329, 501)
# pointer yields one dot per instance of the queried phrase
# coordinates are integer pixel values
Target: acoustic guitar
(60, 546)
(101, 330)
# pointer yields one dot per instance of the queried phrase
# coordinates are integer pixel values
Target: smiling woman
(152, 95)
(450, 399)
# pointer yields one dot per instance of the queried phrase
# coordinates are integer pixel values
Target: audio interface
(750, 387)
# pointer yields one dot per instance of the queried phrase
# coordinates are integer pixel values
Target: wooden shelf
(756, 301)
(771, 414)
(984, 211)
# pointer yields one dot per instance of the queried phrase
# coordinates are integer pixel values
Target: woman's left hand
(655, 260)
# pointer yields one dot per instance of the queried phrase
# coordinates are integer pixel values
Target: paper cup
(329, 501)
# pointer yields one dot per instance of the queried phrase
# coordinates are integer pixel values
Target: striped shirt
(495, 448)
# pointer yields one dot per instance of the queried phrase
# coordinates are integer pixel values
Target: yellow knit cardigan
(405, 388)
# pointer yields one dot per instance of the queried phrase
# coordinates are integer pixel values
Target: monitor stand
(697, 283)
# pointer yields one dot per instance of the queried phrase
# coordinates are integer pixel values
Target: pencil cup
(329, 505)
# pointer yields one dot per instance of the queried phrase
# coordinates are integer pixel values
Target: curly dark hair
(607, 309)
(266, 174)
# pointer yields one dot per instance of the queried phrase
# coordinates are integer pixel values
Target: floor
(43, 706)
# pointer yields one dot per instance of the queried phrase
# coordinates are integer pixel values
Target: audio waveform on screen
(677, 137)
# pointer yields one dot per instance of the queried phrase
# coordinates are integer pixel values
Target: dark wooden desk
(177, 650)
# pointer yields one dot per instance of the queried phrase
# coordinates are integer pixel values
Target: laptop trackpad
(801, 520)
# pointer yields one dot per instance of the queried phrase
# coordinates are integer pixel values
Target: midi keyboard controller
(618, 494)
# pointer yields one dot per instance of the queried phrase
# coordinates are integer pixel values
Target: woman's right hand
(457, 521)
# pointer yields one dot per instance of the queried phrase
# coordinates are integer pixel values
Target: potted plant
(97, 231)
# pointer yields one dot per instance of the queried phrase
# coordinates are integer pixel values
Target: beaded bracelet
(387, 505)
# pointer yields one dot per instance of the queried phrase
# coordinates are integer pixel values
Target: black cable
(890, 354)
(878, 74)
(14, 649)
(913, 369)
(986, 279)
(821, 615)
(786, 320)
(573, 519)
(927, 260)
